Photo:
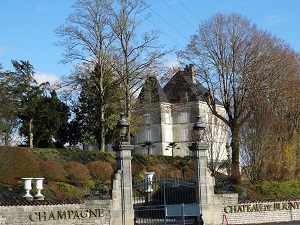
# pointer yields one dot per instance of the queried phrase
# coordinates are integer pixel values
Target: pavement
(282, 223)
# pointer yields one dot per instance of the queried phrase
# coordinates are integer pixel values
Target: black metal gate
(158, 202)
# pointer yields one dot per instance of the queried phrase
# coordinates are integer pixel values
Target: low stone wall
(261, 212)
(68, 212)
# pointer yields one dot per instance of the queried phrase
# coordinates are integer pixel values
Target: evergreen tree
(96, 110)
(50, 120)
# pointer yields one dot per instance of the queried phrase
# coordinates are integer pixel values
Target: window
(148, 135)
(167, 118)
(184, 135)
(147, 118)
(183, 117)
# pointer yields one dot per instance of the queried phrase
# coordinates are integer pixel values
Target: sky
(27, 27)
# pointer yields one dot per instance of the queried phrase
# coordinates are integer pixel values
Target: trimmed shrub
(175, 173)
(60, 190)
(77, 172)
(138, 171)
(53, 170)
(16, 163)
(100, 170)
(158, 171)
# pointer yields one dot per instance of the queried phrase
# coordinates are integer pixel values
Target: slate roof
(152, 92)
(182, 87)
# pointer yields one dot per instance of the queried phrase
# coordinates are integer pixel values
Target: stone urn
(148, 178)
(39, 188)
(27, 187)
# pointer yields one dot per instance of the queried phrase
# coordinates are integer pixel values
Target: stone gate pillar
(206, 198)
(200, 167)
(122, 200)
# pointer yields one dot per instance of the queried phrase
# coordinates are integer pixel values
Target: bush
(297, 173)
(16, 163)
(275, 189)
(100, 170)
(53, 170)
(158, 172)
(138, 171)
(60, 190)
(77, 172)
(175, 173)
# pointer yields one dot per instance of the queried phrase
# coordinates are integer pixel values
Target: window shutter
(184, 134)
(183, 117)
(148, 135)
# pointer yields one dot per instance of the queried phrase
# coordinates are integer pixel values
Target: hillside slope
(73, 173)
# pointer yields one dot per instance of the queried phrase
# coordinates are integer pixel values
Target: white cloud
(172, 63)
(2, 50)
(46, 77)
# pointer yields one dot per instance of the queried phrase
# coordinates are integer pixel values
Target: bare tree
(235, 60)
(87, 38)
(103, 33)
(136, 56)
(216, 135)
(260, 137)
(271, 134)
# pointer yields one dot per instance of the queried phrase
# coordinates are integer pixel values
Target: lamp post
(198, 129)
(122, 126)
(199, 157)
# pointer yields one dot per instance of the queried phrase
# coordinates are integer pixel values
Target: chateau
(169, 114)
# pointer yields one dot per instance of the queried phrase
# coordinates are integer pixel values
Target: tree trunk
(235, 146)
(31, 133)
(6, 137)
(101, 141)
(127, 109)
(101, 137)
(213, 170)
(100, 73)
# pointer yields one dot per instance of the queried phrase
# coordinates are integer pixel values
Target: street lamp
(122, 177)
(122, 126)
(198, 129)
(198, 149)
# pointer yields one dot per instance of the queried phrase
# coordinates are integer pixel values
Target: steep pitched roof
(152, 92)
(183, 87)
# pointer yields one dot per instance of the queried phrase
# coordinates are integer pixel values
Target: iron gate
(151, 199)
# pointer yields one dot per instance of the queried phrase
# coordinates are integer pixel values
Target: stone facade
(49, 213)
(261, 212)
(168, 115)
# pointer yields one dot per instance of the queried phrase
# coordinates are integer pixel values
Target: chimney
(190, 72)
